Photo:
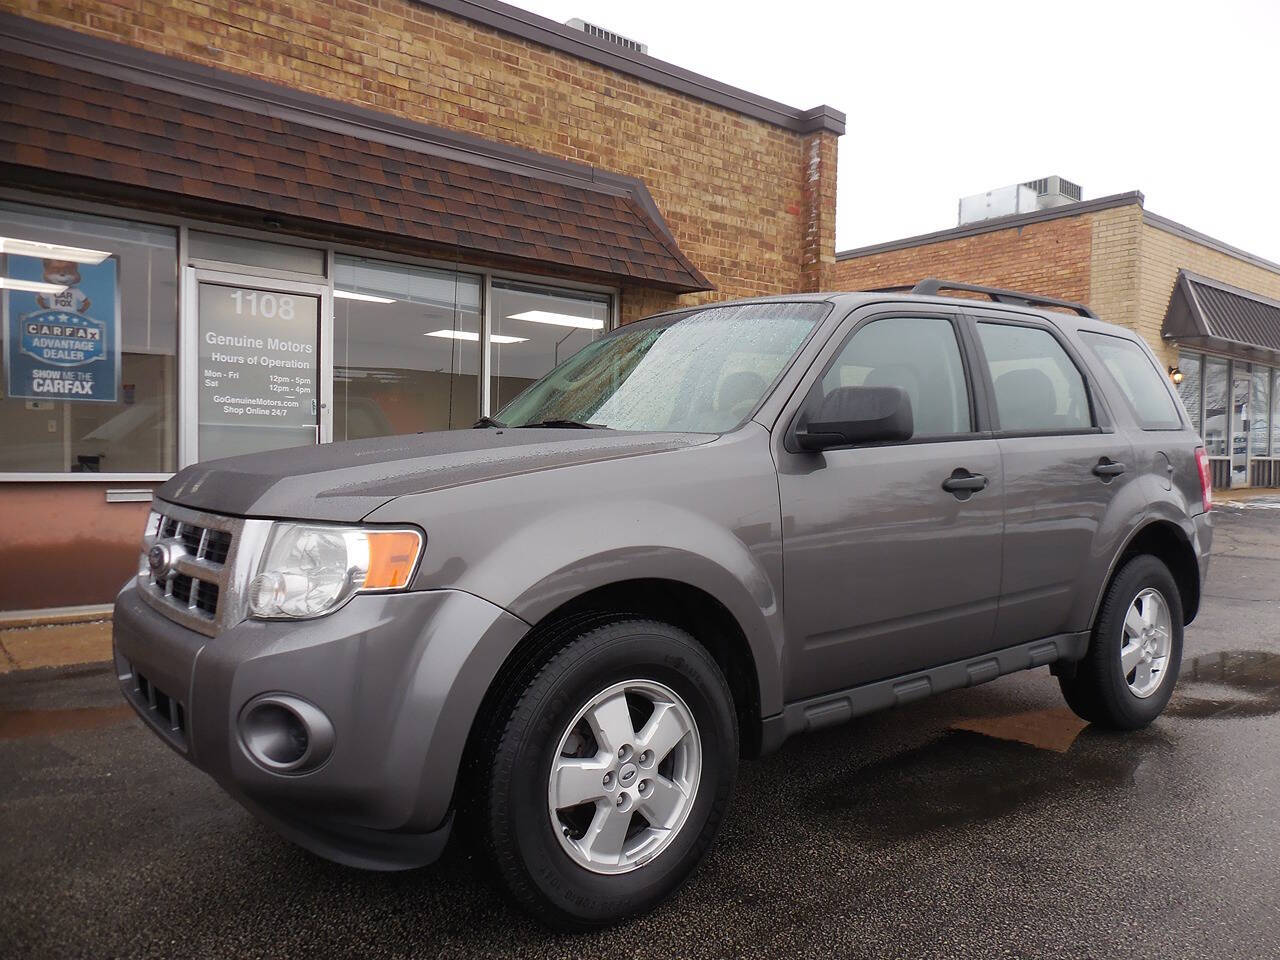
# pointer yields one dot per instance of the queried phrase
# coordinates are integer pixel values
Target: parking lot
(983, 823)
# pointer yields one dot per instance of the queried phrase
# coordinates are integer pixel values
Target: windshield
(702, 372)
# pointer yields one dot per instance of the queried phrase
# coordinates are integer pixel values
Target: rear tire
(1127, 677)
(570, 813)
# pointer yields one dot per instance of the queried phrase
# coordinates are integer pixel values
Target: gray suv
(701, 534)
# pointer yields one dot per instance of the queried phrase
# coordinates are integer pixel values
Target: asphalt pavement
(983, 823)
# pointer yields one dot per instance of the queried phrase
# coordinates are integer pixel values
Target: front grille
(194, 574)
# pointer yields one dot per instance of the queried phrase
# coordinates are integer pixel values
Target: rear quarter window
(1138, 378)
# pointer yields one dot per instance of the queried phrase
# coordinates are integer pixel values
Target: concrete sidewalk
(57, 645)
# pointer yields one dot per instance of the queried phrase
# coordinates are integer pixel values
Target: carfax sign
(63, 344)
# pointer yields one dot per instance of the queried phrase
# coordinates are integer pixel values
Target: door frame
(189, 349)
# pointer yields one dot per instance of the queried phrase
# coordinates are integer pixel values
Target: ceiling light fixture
(51, 251)
(469, 335)
(30, 286)
(558, 319)
(366, 297)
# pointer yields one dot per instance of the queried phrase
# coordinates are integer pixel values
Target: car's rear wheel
(612, 773)
(1127, 677)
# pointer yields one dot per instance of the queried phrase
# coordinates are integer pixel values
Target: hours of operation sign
(258, 363)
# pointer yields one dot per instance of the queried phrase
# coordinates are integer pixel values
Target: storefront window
(406, 349)
(1259, 407)
(1217, 407)
(1189, 389)
(534, 329)
(1275, 413)
(89, 336)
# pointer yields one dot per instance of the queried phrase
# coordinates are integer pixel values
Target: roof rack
(930, 287)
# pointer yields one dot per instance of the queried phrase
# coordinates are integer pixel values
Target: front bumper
(400, 677)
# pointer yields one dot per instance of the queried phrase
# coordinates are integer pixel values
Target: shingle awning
(236, 150)
(1225, 319)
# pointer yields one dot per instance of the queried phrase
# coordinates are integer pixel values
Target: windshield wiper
(484, 422)
(572, 424)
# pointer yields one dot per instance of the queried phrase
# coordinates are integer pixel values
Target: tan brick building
(1210, 312)
(392, 215)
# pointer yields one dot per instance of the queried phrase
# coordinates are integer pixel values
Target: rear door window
(1139, 380)
(1038, 389)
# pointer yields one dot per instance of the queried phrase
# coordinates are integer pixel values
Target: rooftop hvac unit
(1054, 192)
(608, 36)
(1026, 197)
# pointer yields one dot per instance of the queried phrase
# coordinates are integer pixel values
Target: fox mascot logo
(66, 274)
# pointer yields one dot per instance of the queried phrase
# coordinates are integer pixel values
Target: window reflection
(1259, 406)
(1216, 408)
(1189, 389)
(89, 380)
(406, 344)
(534, 329)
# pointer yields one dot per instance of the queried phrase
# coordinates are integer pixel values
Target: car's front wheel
(612, 773)
(1127, 677)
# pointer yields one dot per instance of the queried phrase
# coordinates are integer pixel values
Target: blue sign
(62, 341)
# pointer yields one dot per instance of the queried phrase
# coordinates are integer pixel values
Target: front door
(886, 569)
(258, 384)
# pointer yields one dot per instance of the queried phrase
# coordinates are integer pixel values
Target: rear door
(886, 571)
(1070, 500)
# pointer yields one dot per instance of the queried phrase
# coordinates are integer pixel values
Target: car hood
(348, 481)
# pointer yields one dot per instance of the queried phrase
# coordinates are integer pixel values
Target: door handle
(964, 484)
(1107, 468)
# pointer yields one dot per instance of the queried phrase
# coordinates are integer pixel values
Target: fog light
(285, 734)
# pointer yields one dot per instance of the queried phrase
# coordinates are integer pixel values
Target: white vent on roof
(600, 33)
(1026, 197)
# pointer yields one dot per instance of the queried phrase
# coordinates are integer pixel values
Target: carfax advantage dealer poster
(62, 338)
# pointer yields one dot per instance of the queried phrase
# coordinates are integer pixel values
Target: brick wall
(1052, 258)
(732, 188)
(1114, 267)
(1164, 254)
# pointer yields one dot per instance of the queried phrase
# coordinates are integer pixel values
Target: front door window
(258, 380)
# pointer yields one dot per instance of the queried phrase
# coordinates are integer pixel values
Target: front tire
(1127, 677)
(611, 774)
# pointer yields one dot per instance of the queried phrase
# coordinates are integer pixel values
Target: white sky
(1180, 100)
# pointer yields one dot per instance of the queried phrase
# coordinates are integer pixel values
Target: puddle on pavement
(18, 724)
(1234, 683)
(965, 777)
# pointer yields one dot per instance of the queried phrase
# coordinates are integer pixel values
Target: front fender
(705, 516)
(669, 545)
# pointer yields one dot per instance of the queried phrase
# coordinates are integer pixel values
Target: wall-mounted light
(1175, 374)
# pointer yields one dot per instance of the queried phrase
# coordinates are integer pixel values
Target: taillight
(1206, 479)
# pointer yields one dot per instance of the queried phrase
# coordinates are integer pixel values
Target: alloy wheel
(1147, 641)
(624, 776)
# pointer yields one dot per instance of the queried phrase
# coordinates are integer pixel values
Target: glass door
(1240, 388)
(259, 379)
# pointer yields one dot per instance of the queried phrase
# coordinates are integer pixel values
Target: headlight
(311, 569)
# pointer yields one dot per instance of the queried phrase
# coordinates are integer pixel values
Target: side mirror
(853, 415)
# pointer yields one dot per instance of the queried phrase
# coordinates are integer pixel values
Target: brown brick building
(1210, 312)
(229, 226)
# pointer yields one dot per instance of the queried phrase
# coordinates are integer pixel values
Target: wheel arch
(1169, 543)
(681, 604)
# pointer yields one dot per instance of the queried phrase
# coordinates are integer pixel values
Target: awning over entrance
(1223, 319)
(123, 126)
